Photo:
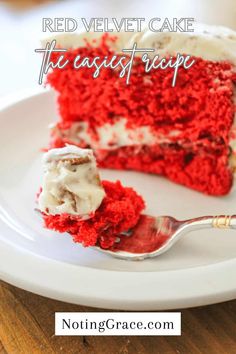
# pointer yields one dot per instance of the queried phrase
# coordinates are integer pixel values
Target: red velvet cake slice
(186, 132)
(74, 200)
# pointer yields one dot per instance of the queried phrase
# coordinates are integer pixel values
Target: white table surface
(20, 32)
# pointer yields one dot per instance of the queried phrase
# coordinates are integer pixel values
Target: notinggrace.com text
(122, 323)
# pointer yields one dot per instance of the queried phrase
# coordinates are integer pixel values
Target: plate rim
(29, 264)
(210, 283)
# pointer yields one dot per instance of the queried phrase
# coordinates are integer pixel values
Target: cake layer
(205, 170)
(201, 103)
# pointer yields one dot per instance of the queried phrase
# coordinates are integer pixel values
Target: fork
(153, 236)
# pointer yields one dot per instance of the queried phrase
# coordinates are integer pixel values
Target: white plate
(200, 269)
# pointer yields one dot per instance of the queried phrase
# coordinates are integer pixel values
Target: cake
(186, 133)
(74, 200)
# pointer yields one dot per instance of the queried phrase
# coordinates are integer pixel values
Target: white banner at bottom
(118, 323)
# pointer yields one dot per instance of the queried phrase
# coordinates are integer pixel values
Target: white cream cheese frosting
(71, 182)
(112, 136)
(214, 43)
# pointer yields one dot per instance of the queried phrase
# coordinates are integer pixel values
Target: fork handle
(217, 222)
(224, 222)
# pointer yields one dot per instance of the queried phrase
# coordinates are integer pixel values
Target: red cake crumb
(200, 107)
(119, 212)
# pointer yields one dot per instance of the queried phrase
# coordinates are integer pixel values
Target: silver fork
(154, 236)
